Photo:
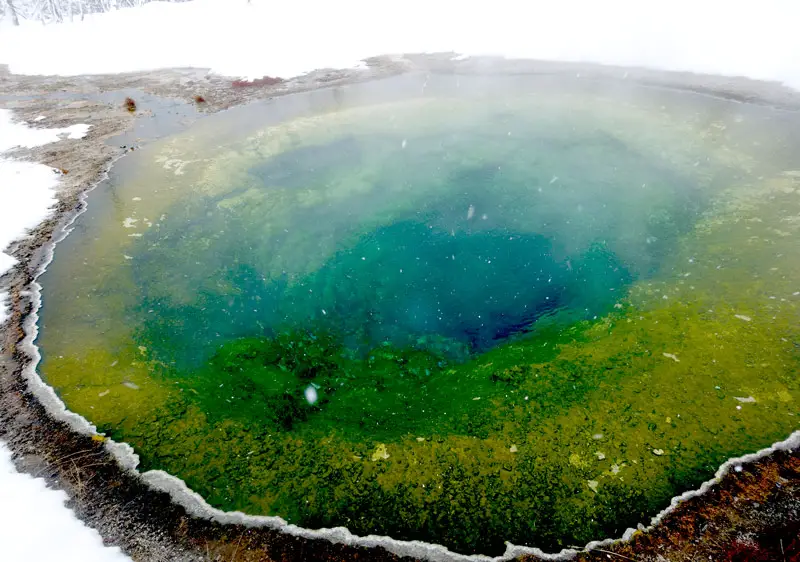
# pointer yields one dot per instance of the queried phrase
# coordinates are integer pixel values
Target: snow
(34, 522)
(264, 37)
(14, 135)
(36, 525)
(3, 305)
(26, 188)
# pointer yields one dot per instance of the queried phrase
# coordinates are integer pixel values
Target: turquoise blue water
(467, 252)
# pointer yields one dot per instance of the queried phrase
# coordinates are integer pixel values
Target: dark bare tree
(9, 5)
(54, 11)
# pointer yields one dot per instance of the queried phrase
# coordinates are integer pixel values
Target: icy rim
(194, 504)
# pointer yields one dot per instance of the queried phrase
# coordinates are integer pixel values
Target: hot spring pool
(459, 309)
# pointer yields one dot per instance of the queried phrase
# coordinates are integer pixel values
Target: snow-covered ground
(287, 38)
(34, 522)
(26, 188)
(35, 525)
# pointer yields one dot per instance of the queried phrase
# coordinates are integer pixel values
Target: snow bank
(36, 525)
(265, 37)
(26, 188)
(14, 135)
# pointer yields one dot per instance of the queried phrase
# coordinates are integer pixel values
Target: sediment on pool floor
(566, 378)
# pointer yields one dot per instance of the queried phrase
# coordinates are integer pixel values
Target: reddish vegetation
(199, 99)
(265, 81)
(130, 105)
(750, 516)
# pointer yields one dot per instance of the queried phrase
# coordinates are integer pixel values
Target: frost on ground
(254, 38)
(26, 188)
(36, 525)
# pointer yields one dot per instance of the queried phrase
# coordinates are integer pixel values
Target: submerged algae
(579, 425)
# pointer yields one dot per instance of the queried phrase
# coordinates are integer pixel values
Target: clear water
(464, 310)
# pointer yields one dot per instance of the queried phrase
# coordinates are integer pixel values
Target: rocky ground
(750, 514)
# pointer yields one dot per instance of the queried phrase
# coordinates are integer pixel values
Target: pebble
(380, 453)
(310, 394)
(658, 452)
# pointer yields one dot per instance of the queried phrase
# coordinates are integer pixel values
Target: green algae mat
(455, 309)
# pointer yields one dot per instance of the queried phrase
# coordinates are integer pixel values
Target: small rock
(130, 385)
(593, 485)
(672, 356)
(742, 317)
(380, 453)
(748, 400)
(310, 394)
(658, 452)
(513, 449)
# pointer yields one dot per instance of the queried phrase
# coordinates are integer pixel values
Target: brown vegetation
(264, 81)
